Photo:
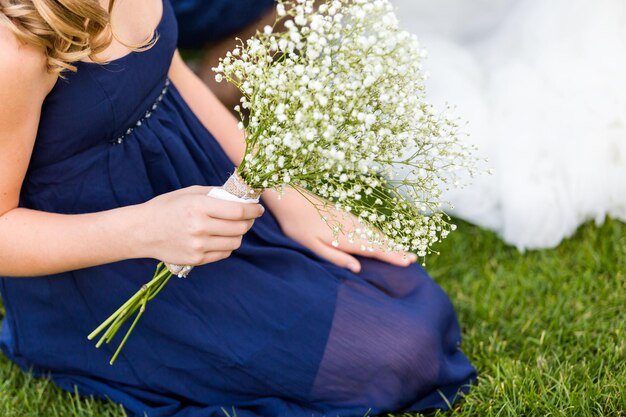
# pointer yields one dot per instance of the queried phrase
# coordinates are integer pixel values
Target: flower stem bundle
(137, 302)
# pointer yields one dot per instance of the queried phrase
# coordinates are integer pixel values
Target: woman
(105, 169)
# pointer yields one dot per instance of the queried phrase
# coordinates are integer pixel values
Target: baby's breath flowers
(335, 108)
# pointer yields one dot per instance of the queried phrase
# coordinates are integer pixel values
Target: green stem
(131, 304)
(160, 287)
(123, 342)
(115, 315)
(146, 291)
(138, 301)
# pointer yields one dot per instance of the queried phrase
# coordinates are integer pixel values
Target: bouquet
(334, 107)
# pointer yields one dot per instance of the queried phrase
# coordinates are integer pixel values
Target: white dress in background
(543, 86)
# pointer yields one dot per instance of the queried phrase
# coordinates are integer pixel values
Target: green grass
(546, 330)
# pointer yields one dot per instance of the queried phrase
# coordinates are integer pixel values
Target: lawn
(546, 330)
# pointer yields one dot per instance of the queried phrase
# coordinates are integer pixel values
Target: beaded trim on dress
(146, 116)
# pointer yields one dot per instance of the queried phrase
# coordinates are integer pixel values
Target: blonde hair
(67, 30)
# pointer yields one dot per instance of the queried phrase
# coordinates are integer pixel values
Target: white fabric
(222, 194)
(543, 85)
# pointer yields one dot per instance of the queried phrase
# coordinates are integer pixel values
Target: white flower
(300, 20)
(335, 102)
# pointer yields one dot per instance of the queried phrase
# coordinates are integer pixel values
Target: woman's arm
(183, 227)
(297, 217)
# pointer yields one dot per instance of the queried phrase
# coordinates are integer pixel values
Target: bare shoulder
(22, 67)
(24, 84)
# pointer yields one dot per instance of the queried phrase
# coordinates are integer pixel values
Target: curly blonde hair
(67, 30)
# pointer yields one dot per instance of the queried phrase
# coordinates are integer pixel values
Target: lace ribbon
(236, 186)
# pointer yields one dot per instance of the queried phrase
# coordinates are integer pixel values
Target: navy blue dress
(273, 331)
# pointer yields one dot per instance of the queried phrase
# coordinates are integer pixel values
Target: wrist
(277, 203)
(128, 225)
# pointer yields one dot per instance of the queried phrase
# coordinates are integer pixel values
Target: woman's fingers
(195, 189)
(209, 257)
(207, 249)
(228, 210)
(394, 258)
(338, 257)
(221, 244)
(220, 227)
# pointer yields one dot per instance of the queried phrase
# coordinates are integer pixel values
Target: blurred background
(542, 85)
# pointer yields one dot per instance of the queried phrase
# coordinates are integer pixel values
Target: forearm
(34, 243)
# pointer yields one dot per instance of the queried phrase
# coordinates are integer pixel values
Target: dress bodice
(97, 104)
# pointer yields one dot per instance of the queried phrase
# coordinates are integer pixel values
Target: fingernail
(354, 267)
(412, 257)
(262, 210)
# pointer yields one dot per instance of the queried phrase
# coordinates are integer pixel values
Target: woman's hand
(301, 221)
(187, 227)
